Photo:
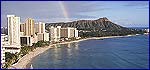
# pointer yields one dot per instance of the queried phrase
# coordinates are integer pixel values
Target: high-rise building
(29, 27)
(46, 36)
(13, 30)
(40, 31)
(76, 32)
(57, 33)
(64, 33)
(53, 34)
(40, 27)
(13, 45)
(27, 33)
(69, 32)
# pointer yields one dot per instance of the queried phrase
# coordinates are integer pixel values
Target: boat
(31, 67)
(137, 34)
(129, 35)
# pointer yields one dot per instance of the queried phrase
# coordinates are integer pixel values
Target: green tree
(10, 59)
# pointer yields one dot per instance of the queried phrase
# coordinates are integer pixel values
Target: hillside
(99, 27)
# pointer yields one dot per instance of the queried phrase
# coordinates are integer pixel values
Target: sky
(124, 13)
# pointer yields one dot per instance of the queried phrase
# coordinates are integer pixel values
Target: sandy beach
(25, 60)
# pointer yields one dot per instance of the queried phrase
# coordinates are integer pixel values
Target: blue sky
(125, 13)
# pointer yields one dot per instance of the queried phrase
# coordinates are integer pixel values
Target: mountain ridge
(99, 27)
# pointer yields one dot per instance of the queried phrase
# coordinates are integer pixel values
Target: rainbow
(64, 9)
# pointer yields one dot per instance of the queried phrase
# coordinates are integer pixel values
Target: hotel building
(76, 32)
(56, 33)
(13, 30)
(29, 27)
(13, 34)
(69, 32)
(53, 34)
(40, 27)
(40, 31)
(31, 33)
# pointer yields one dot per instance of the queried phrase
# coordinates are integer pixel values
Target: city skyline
(125, 13)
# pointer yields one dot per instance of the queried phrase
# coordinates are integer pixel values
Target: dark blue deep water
(125, 52)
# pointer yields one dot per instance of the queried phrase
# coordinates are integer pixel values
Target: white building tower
(13, 30)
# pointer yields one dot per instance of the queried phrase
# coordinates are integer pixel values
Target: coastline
(25, 61)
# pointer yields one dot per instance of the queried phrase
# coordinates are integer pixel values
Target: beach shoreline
(25, 61)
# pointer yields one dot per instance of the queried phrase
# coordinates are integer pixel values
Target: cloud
(138, 4)
(146, 7)
(54, 20)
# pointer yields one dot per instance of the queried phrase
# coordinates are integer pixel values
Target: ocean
(125, 52)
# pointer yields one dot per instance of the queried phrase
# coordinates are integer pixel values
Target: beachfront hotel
(40, 32)
(29, 27)
(13, 45)
(57, 33)
(27, 33)
(68, 32)
(40, 27)
(13, 30)
(31, 32)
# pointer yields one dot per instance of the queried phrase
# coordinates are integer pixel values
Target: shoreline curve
(24, 62)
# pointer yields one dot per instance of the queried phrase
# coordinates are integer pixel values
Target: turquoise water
(125, 52)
